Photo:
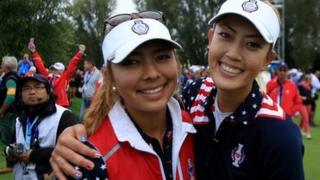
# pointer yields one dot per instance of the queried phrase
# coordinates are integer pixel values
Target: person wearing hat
(37, 128)
(286, 93)
(59, 77)
(241, 132)
(134, 122)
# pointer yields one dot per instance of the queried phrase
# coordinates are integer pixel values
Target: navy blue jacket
(256, 142)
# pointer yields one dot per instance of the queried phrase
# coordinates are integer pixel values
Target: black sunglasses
(120, 18)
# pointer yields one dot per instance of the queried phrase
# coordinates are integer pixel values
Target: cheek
(124, 83)
(256, 61)
(215, 50)
(24, 97)
(170, 71)
(212, 57)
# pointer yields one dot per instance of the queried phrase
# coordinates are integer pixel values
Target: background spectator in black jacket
(39, 124)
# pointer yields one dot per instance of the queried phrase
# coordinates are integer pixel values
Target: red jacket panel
(132, 161)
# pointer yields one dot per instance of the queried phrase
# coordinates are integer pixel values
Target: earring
(114, 89)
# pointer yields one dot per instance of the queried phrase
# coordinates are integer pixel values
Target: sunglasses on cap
(120, 18)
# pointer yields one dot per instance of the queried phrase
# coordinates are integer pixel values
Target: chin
(32, 104)
(154, 106)
(226, 84)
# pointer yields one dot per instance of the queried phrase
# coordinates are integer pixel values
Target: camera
(15, 150)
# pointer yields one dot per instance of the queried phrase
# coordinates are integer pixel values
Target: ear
(109, 74)
(272, 55)
(210, 35)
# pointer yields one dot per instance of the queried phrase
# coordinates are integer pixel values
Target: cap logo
(140, 27)
(250, 6)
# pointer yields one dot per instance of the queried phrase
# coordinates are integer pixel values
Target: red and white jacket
(127, 155)
(60, 82)
(290, 100)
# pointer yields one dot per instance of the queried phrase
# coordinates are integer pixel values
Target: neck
(230, 100)
(152, 123)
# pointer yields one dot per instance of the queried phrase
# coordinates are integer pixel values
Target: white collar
(126, 131)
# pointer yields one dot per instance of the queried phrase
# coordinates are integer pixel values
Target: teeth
(150, 91)
(230, 69)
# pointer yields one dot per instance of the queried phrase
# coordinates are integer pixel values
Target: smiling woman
(134, 121)
(242, 133)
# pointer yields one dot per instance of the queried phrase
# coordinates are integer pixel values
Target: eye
(129, 62)
(224, 34)
(26, 88)
(164, 56)
(254, 45)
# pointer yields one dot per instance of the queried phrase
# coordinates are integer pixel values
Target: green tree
(302, 33)
(44, 20)
(88, 18)
(187, 21)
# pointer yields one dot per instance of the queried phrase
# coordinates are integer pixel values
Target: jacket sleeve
(270, 86)
(41, 155)
(11, 92)
(297, 101)
(67, 119)
(281, 153)
(297, 98)
(39, 64)
(72, 65)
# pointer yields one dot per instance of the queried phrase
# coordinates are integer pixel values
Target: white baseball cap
(58, 66)
(260, 14)
(127, 36)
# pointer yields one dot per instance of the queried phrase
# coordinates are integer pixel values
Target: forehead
(31, 82)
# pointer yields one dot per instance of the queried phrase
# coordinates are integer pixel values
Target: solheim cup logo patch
(237, 155)
(250, 6)
(140, 28)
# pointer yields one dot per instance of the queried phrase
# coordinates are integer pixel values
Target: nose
(234, 51)
(151, 71)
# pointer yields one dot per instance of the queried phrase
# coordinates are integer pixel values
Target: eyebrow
(233, 30)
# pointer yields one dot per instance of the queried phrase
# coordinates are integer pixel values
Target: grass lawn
(312, 151)
(311, 156)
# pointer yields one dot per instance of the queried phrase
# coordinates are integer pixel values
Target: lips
(152, 90)
(230, 69)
